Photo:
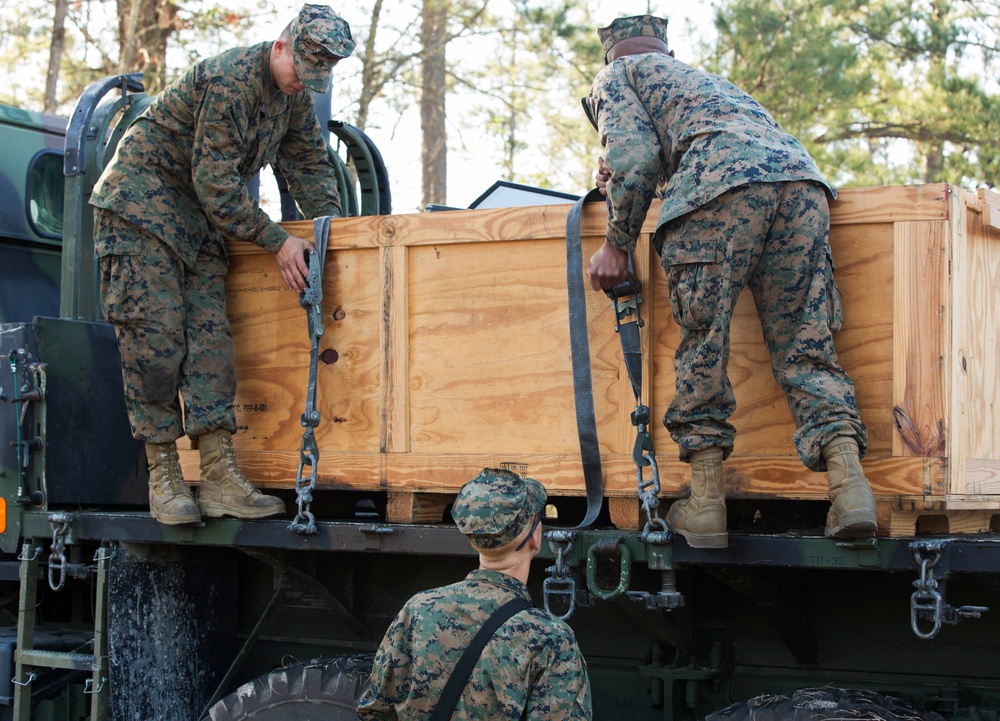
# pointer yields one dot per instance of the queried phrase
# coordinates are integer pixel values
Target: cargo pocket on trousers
(124, 291)
(694, 277)
(834, 307)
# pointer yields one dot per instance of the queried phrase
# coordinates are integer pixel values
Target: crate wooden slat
(446, 349)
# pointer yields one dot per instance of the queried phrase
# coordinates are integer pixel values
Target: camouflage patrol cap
(319, 37)
(495, 507)
(630, 27)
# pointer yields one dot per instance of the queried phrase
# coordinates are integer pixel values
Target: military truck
(443, 346)
(31, 206)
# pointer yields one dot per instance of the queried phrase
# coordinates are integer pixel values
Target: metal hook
(31, 677)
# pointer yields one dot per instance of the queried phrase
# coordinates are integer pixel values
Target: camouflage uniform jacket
(181, 170)
(685, 136)
(532, 663)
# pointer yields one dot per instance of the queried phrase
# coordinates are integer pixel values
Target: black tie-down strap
(463, 669)
(312, 300)
(583, 390)
(626, 299)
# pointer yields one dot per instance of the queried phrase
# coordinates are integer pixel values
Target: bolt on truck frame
(108, 614)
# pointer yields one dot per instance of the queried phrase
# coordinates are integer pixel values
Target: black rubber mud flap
(324, 690)
(825, 704)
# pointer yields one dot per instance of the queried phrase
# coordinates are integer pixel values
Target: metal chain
(655, 530)
(57, 559)
(312, 300)
(560, 584)
(927, 602)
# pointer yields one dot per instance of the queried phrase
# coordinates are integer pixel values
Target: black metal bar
(959, 555)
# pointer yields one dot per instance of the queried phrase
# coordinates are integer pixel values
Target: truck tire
(323, 690)
(824, 704)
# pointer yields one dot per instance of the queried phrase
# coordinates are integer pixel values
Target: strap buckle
(626, 297)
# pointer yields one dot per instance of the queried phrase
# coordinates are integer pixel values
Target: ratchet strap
(583, 390)
(626, 297)
(463, 669)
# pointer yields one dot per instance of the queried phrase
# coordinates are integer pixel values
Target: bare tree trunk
(434, 145)
(55, 54)
(934, 163)
(934, 153)
(144, 27)
(370, 69)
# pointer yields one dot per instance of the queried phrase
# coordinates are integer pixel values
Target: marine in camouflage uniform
(531, 668)
(743, 204)
(174, 193)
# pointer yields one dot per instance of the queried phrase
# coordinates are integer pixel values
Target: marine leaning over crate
(174, 193)
(743, 204)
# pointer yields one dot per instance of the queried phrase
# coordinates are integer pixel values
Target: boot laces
(235, 474)
(173, 480)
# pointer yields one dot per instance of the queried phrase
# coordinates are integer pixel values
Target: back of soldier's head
(495, 508)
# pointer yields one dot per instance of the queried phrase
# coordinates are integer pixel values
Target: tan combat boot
(225, 491)
(170, 500)
(852, 509)
(701, 519)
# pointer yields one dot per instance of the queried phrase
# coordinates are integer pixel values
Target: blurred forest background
(881, 92)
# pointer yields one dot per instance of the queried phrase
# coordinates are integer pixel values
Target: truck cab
(31, 212)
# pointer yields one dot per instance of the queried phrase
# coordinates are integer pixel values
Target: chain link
(57, 559)
(560, 584)
(927, 602)
(655, 529)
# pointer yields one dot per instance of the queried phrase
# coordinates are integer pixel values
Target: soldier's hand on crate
(292, 263)
(608, 267)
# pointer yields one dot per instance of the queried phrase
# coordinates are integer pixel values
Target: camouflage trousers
(173, 334)
(774, 238)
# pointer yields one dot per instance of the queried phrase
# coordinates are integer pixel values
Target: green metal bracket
(609, 548)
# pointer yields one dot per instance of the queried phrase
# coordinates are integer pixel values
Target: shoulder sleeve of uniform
(561, 687)
(631, 153)
(388, 677)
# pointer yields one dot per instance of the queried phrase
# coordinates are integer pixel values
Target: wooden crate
(447, 350)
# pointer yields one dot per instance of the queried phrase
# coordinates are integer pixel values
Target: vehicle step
(57, 659)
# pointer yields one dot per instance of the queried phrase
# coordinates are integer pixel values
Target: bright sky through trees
(473, 164)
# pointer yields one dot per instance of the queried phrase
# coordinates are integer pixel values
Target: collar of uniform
(268, 90)
(497, 578)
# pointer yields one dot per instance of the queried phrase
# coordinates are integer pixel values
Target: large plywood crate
(446, 350)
